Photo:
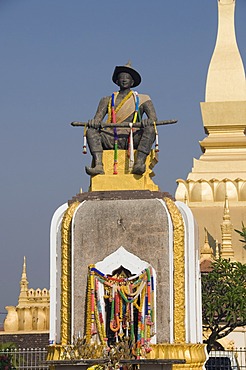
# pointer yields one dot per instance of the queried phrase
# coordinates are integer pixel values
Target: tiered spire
(217, 252)
(226, 230)
(206, 251)
(23, 284)
(207, 255)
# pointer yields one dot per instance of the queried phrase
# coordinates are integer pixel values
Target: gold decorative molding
(66, 273)
(211, 191)
(193, 354)
(179, 271)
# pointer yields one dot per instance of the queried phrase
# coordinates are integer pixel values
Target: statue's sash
(128, 107)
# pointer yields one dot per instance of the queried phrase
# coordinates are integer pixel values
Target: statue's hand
(93, 124)
(147, 122)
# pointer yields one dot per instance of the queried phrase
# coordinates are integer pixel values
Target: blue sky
(57, 60)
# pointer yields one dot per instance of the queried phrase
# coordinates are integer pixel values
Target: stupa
(31, 315)
(220, 173)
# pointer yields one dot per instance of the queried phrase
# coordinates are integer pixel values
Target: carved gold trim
(66, 273)
(193, 354)
(179, 271)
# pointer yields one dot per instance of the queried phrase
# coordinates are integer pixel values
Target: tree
(242, 233)
(6, 358)
(223, 299)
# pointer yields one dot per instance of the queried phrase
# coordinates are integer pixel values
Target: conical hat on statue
(128, 69)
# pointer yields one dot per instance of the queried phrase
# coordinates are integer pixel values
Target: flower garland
(130, 140)
(112, 110)
(131, 306)
(111, 116)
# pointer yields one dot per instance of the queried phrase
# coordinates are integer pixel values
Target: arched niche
(201, 191)
(123, 261)
(121, 257)
(243, 192)
(226, 188)
(182, 192)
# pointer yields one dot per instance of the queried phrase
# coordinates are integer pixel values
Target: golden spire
(23, 283)
(226, 76)
(226, 230)
(217, 252)
(206, 251)
(226, 210)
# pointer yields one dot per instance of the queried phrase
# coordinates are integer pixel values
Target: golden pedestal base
(124, 180)
(194, 355)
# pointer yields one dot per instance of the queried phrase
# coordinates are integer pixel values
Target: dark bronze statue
(123, 106)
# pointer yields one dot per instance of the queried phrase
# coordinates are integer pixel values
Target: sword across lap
(124, 124)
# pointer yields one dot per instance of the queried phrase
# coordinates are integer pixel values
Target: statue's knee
(149, 132)
(90, 132)
(150, 129)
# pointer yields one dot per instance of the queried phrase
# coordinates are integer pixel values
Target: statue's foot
(139, 168)
(97, 170)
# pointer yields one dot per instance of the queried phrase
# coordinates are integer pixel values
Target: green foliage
(7, 345)
(6, 359)
(223, 299)
(242, 233)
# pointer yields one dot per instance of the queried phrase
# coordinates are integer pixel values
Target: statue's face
(125, 81)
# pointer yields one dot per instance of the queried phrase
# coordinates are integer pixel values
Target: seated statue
(125, 105)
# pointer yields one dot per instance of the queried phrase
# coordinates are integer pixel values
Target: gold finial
(226, 231)
(24, 267)
(129, 63)
(217, 252)
(80, 191)
(206, 235)
(206, 251)
(226, 215)
(23, 282)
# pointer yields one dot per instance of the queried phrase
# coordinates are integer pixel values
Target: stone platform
(135, 230)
